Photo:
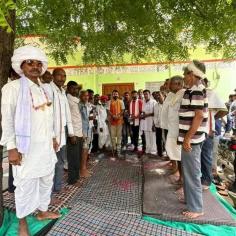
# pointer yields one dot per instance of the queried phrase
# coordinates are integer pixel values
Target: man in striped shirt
(192, 131)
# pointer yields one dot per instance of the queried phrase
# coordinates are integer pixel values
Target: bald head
(59, 77)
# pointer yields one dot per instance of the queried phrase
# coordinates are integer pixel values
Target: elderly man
(62, 124)
(87, 116)
(27, 124)
(193, 116)
(216, 109)
(104, 138)
(172, 148)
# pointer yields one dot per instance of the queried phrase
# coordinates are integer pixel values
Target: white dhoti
(104, 137)
(27, 124)
(32, 194)
(151, 146)
(173, 149)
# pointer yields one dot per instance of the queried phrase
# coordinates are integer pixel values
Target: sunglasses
(33, 62)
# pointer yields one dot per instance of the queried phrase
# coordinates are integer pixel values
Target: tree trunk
(6, 51)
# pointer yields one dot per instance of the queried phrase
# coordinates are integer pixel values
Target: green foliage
(5, 7)
(109, 29)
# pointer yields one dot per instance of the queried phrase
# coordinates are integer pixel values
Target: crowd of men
(49, 126)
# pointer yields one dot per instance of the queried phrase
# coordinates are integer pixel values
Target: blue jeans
(59, 169)
(206, 161)
(191, 167)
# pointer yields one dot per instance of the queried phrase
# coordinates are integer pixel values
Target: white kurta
(157, 115)
(39, 163)
(62, 115)
(215, 104)
(147, 124)
(164, 111)
(103, 137)
(172, 148)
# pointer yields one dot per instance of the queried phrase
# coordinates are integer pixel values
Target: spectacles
(33, 62)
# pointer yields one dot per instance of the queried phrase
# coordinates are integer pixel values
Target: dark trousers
(59, 169)
(11, 187)
(126, 132)
(95, 143)
(143, 141)
(206, 161)
(159, 141)
(74, 153)
(165, 137)
(135, 132)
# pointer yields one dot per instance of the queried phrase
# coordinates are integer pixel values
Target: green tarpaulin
(208, 230)
(10, 223)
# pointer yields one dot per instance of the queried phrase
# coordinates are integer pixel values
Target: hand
(55, 145)
(101, 130)
(114, 117)
(73, 140)
(91, 118)
(187, 145)
(14, 157)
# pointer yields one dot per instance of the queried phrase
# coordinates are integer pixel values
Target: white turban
(191, 67)
(28, 53)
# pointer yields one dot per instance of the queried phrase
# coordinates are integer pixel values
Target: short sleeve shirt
(194, 99)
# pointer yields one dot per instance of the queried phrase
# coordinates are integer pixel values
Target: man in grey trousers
(193, 116)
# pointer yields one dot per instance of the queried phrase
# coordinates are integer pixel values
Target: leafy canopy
(109, 29)
(5, 7)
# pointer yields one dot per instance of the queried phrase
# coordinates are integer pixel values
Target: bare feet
(174, 179)
(77, 184)
(47, 215)
(55, 201)
(192, 215)
(84, 173)
(180, 195)
(23, 228)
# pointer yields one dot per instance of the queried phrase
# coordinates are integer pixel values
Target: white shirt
(164, 111)
(41, 158)
(148, 122)
(101, 115)
(157, 114)
(173, 114)
(75, 115)
(62, 115)
(215, 104)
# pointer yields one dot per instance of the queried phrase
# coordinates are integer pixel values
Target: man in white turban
(27, 124)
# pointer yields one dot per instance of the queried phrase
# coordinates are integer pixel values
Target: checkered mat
(160, 201)
(86, 220)
(69, 191)
(114, 185)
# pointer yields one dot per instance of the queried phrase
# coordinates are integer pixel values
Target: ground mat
(65, 196)
(115, 185)
(160, 201)
(86, 220)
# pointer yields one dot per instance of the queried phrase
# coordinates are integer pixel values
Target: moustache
(35, 70)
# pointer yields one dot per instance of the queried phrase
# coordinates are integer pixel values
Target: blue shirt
(85, 119)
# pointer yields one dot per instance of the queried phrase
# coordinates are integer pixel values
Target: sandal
(232, 195)
(223, 193)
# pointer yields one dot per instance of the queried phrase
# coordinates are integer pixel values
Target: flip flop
(220, 187)
(223, 193)
(232, 195)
